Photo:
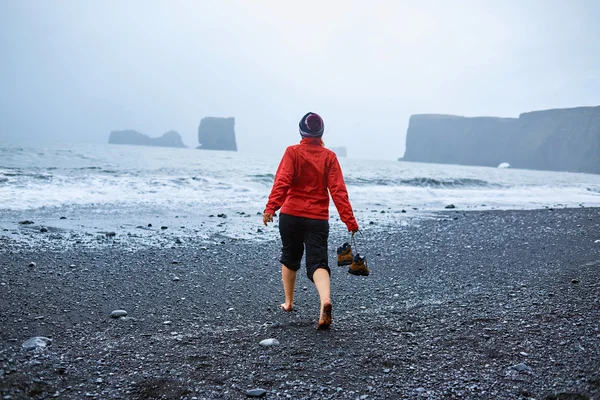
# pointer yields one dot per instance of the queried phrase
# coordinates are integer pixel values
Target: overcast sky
(75, 70)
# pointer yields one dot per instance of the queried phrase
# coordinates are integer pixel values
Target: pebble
(222, 215)
(574, 281)
(521, 367)
(178, 241)
(256, 392)
(72, 266)
(36, 342)
(164, 227)
(420, 390)
(176, 279)
(524, 354)
(43, 229)
(118, 313)
(269, 342)
(63, 217)
(32, 264)
(450, 206)
(111, 234)
(26, 222)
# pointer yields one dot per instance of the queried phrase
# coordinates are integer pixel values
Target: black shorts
(297, 232)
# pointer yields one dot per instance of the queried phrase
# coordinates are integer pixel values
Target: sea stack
(169, 139)
(217, 134)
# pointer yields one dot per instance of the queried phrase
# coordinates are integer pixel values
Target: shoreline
(64, 228)
(478, 304)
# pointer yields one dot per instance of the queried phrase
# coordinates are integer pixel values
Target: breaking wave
(16, 173)
(266, 179)
(415, 182)
(424, 182)
(594, 190)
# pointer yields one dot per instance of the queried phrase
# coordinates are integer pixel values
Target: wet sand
(495, 304)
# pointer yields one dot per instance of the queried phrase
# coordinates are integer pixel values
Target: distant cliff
(559, 140)
(169, 139)
(339, 151)
(217, 134)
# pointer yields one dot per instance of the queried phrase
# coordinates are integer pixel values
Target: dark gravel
(477, 305)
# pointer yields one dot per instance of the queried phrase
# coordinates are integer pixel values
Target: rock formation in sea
(217, 134)
(558, 140)
(169, 139)
(339, 151)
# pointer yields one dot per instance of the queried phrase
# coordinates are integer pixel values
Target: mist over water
(76, 70)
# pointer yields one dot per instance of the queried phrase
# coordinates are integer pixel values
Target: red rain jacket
(306, 171)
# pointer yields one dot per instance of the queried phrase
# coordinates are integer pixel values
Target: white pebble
(36, 342)
(269, 342)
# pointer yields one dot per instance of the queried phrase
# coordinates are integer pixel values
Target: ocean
(111, 187)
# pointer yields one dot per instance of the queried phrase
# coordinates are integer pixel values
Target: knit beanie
(311, 126)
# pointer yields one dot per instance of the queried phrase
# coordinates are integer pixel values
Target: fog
(74, 70)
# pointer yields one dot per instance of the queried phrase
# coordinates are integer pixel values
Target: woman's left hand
(267, 217)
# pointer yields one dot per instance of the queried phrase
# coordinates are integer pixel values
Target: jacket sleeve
(339, 194)
(283, 180)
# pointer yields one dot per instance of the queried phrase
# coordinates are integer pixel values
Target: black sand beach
(476, 305)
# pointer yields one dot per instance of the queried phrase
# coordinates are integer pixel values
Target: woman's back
(307, 174)
(308, 194)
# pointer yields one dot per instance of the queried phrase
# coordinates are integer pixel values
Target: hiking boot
(359, 266)
(344, 255)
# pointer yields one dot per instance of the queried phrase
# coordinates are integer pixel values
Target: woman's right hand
(267, 217)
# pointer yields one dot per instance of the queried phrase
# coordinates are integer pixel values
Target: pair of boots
(358, 264)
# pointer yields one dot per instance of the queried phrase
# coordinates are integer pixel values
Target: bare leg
(323, 285)
(288, 276)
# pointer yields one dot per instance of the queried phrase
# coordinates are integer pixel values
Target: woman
(307, 174)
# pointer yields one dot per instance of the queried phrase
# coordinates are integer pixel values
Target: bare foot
(286, 306)
(325, 319)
